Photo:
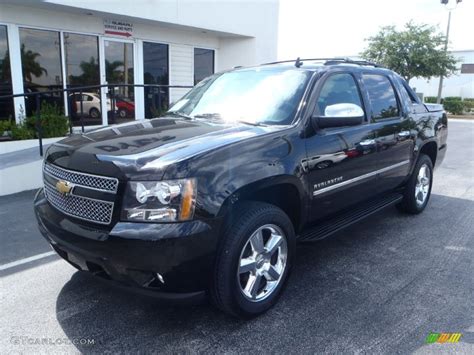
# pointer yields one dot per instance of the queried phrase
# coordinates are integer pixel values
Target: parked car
(125, 107)
(212, 198)
(90, 104)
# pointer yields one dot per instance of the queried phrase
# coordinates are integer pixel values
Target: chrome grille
(74, 204)
(80, 207)
(95, 182)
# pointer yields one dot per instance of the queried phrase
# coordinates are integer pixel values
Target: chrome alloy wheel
(262, 262)
(422, 186)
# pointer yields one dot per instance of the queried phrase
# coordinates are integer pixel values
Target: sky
(325, 28)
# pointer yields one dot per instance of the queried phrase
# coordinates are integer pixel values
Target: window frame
(168, 69)
(194, 62)
(325, 78)
(7, 103)
(396, 94)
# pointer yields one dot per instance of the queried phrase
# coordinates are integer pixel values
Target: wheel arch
(430, 149)
(285, 192)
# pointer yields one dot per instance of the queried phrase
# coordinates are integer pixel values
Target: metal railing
(41, 97)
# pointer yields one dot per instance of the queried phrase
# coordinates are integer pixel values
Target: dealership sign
(118, 28)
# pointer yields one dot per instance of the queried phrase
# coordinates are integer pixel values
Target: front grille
(95, 182)
(85, 208)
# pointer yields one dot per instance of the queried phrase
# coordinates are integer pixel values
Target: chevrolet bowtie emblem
(64, 187)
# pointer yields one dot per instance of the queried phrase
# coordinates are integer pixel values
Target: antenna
(298, 62)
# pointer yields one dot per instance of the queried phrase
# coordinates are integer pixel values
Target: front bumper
(171, 261)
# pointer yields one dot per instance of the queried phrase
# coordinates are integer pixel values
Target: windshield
(259, 96)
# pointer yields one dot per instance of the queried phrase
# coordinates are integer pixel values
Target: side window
(410, 94)
(338, 89)
(382, 96)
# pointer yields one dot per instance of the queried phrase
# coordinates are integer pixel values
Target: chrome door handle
(404, 134)
(367, 142)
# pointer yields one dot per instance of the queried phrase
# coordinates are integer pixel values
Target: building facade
(52, 45)
(459, 84)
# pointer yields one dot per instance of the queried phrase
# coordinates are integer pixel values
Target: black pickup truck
(212, 198)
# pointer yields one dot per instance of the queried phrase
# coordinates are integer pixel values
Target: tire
(231, 289)
(94, 113)
(417, 190)
(123, 113)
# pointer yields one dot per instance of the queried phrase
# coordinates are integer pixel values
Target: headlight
(160, 201)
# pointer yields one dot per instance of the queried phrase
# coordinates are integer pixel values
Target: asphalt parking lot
(379, 287)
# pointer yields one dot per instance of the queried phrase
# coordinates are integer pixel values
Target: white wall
(181, 69)
(205, 23)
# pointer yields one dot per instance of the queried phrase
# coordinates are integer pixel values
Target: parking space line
(26, 260)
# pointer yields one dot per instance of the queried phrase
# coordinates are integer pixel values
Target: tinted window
(338, 89)
(81, 54)
(119, 69)
(41, 65)
(382, 96)
(155, 68)
(6, 105)
(411, 95)
(203, 64)
(82, 59)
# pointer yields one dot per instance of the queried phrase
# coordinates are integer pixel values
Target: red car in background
(125, 107)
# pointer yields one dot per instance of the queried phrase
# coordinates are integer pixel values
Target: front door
(341, 161)
(119, 69)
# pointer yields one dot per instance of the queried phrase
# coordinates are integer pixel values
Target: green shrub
(453, 98)
(468, 105)
(53, 122)
(22, 131)
(430, 99)
(453, 105)
(6, 127)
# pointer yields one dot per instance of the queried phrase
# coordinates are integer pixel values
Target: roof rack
(327, 61)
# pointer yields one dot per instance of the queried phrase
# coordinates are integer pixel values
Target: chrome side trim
(360, 178)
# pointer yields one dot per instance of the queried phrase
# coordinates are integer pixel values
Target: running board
(345, 219)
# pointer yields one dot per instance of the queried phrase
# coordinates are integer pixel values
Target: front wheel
(254, 260)
(418, 189)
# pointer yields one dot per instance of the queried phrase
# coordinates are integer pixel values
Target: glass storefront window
(6, 105)
(81, 54)
(155, 68)
(41, 65)
(203, 64)
(119, 70)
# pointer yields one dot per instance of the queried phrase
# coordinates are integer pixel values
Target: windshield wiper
(209, 115)
(219, 117)
(253, 123)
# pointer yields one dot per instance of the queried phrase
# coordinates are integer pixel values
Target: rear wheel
(123, 113)
(94, 113)
(254, 260)
(418, 189)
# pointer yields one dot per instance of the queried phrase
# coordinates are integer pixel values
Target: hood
(146, 147)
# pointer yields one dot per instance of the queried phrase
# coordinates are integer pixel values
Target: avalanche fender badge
(327, 183)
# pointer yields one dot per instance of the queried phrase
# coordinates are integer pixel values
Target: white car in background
(90, 104)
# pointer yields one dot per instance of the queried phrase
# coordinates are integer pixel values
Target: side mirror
(340, 115)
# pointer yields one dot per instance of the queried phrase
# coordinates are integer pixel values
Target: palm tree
(90, 73)
(30, 64)
(112, 73)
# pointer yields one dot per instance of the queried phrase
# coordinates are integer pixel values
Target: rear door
(394, 130)
(340, 161)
